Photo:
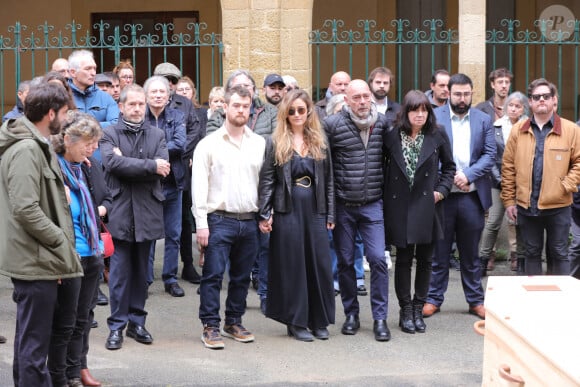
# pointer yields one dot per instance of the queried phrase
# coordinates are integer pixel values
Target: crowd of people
(286, 194)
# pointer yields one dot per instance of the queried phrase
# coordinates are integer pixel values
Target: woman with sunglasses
(297, 205)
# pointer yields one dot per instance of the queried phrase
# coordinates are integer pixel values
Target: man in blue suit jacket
(471, 134)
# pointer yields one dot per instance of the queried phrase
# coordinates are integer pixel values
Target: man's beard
(460, 108)
(273, 101)
(379, 94)
(55, 125)
(237, 121)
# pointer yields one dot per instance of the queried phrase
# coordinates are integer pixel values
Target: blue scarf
(75, 180)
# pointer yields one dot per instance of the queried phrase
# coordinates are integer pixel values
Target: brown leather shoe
(513, 261)
(88, 379)
(430, 309)
(477, 310)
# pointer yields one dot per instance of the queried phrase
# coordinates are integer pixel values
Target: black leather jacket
(275, 186)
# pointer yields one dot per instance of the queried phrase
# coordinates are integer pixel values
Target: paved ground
(449, 354)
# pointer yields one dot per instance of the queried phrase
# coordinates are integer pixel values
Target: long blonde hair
(314, 138)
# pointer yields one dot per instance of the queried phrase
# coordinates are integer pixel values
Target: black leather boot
(418, 319)
(406, 319)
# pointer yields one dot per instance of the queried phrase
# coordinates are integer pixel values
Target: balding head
(358, 98)
(338, 82)
(60, 65)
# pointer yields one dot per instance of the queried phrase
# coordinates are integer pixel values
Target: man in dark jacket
(196, 122)
(37, 241)
(172, 122)
(355, 136)
(135, 158)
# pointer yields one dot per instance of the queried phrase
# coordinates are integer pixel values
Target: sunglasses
(172, 80)
(537, 97)
(301, 110)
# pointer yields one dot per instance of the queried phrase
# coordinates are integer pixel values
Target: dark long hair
(413, 100)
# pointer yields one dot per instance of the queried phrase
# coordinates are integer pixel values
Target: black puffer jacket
(358, 172)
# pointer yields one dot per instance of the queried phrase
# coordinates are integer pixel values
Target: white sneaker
(366, 266)
(388, 259)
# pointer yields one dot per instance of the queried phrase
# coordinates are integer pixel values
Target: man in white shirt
(226, 168)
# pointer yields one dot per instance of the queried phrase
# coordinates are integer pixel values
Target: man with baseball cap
(274, 89)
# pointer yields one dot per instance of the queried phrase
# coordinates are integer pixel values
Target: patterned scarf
(411, 150)
(75, 180)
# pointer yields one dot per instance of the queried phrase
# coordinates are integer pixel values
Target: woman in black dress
(418, 175)
(297, 206)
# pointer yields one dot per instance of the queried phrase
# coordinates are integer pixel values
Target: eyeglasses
(467, 94)
(537, 97)
(127, 77)
(301, 110)
(183, 89)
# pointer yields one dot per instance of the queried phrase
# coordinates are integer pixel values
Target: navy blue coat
(483, 149)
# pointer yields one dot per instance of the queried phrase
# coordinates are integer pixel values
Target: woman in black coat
(418, 175)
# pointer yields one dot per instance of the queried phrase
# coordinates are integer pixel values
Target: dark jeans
(172, 221)
(128, 283)
(236, 242)
(63, 325)
(557, 227)
(263, 255)
(35, 305)
(358, 261)
(92, 267)
(464, 221)
(187, 228)
(368, 221)
(423, 253)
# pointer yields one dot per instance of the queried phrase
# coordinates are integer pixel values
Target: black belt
(351, 204)
(236, 215)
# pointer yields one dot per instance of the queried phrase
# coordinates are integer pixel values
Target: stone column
(472, 45)
(268, 36)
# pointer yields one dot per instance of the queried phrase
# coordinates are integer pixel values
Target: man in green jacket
(37, 248)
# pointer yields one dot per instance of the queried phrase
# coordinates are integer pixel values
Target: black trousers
(92, 267)
(423, 253)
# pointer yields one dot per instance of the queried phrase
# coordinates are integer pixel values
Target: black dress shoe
(2, 339)
(361, 290)
(101, 298)
(139, 333)
(300, 334)
(115, 339)
(94, 324)
(174, 289)
(351, 325)
(190, 274)
(381, 330)
(321, 333)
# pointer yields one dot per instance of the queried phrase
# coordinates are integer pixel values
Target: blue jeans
(557, 227)
(368, 221)
(172, 221)
(230, 241)
(358, 261)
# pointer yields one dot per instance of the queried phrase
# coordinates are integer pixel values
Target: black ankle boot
(406, 319)
(418, 319)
